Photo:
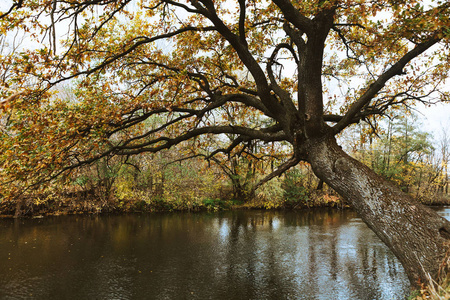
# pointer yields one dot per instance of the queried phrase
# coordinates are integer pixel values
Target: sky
(435, 118)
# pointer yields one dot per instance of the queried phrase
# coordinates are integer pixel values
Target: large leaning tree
(149, 75)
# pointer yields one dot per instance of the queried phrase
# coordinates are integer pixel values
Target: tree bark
(416, 234)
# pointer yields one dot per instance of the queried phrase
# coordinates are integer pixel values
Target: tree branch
(294, 17)
(293, 161)
(142, 41)
(282, 94)
(166, 142)
(242, 22)
(376, 86)
(246, 57)
(14, 6)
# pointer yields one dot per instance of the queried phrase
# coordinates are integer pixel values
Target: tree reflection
(317, 254)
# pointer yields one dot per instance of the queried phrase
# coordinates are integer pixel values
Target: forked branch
(376, 86)
(292, 162)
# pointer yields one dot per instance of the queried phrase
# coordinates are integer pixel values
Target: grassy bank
(90, 203)
(50, 205)
(434, 290)
(95, 203)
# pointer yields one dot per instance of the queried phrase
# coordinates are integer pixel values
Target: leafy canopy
(102, 77)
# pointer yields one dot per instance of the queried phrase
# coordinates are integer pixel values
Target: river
(314, 254)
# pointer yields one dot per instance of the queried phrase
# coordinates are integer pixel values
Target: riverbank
(48, 205)
(68, 204)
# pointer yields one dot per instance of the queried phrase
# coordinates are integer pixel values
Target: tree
(220, 67)
(444, 144)
(401, 153)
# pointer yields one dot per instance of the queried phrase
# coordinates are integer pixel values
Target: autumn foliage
(144, 76)
(253, 87)
(94, 81)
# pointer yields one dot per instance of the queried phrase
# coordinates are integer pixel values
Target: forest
(158, 105)
(414, 160)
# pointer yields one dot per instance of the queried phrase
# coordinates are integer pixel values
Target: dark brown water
(320, 254)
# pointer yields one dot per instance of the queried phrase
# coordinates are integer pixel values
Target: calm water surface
(320, 254)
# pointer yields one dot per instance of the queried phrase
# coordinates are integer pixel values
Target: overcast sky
(435, 118)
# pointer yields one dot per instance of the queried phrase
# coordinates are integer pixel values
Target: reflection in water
(323, 254)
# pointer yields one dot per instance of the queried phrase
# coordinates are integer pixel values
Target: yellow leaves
(190, 70)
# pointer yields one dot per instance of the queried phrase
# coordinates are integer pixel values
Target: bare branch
(14, 6)
(142, 41)
(183, 6)
(293, 161)
(282, 94)
(230, 148)
(376, 86)
(162, 143)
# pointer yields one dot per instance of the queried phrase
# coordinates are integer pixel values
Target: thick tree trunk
(417, 235)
